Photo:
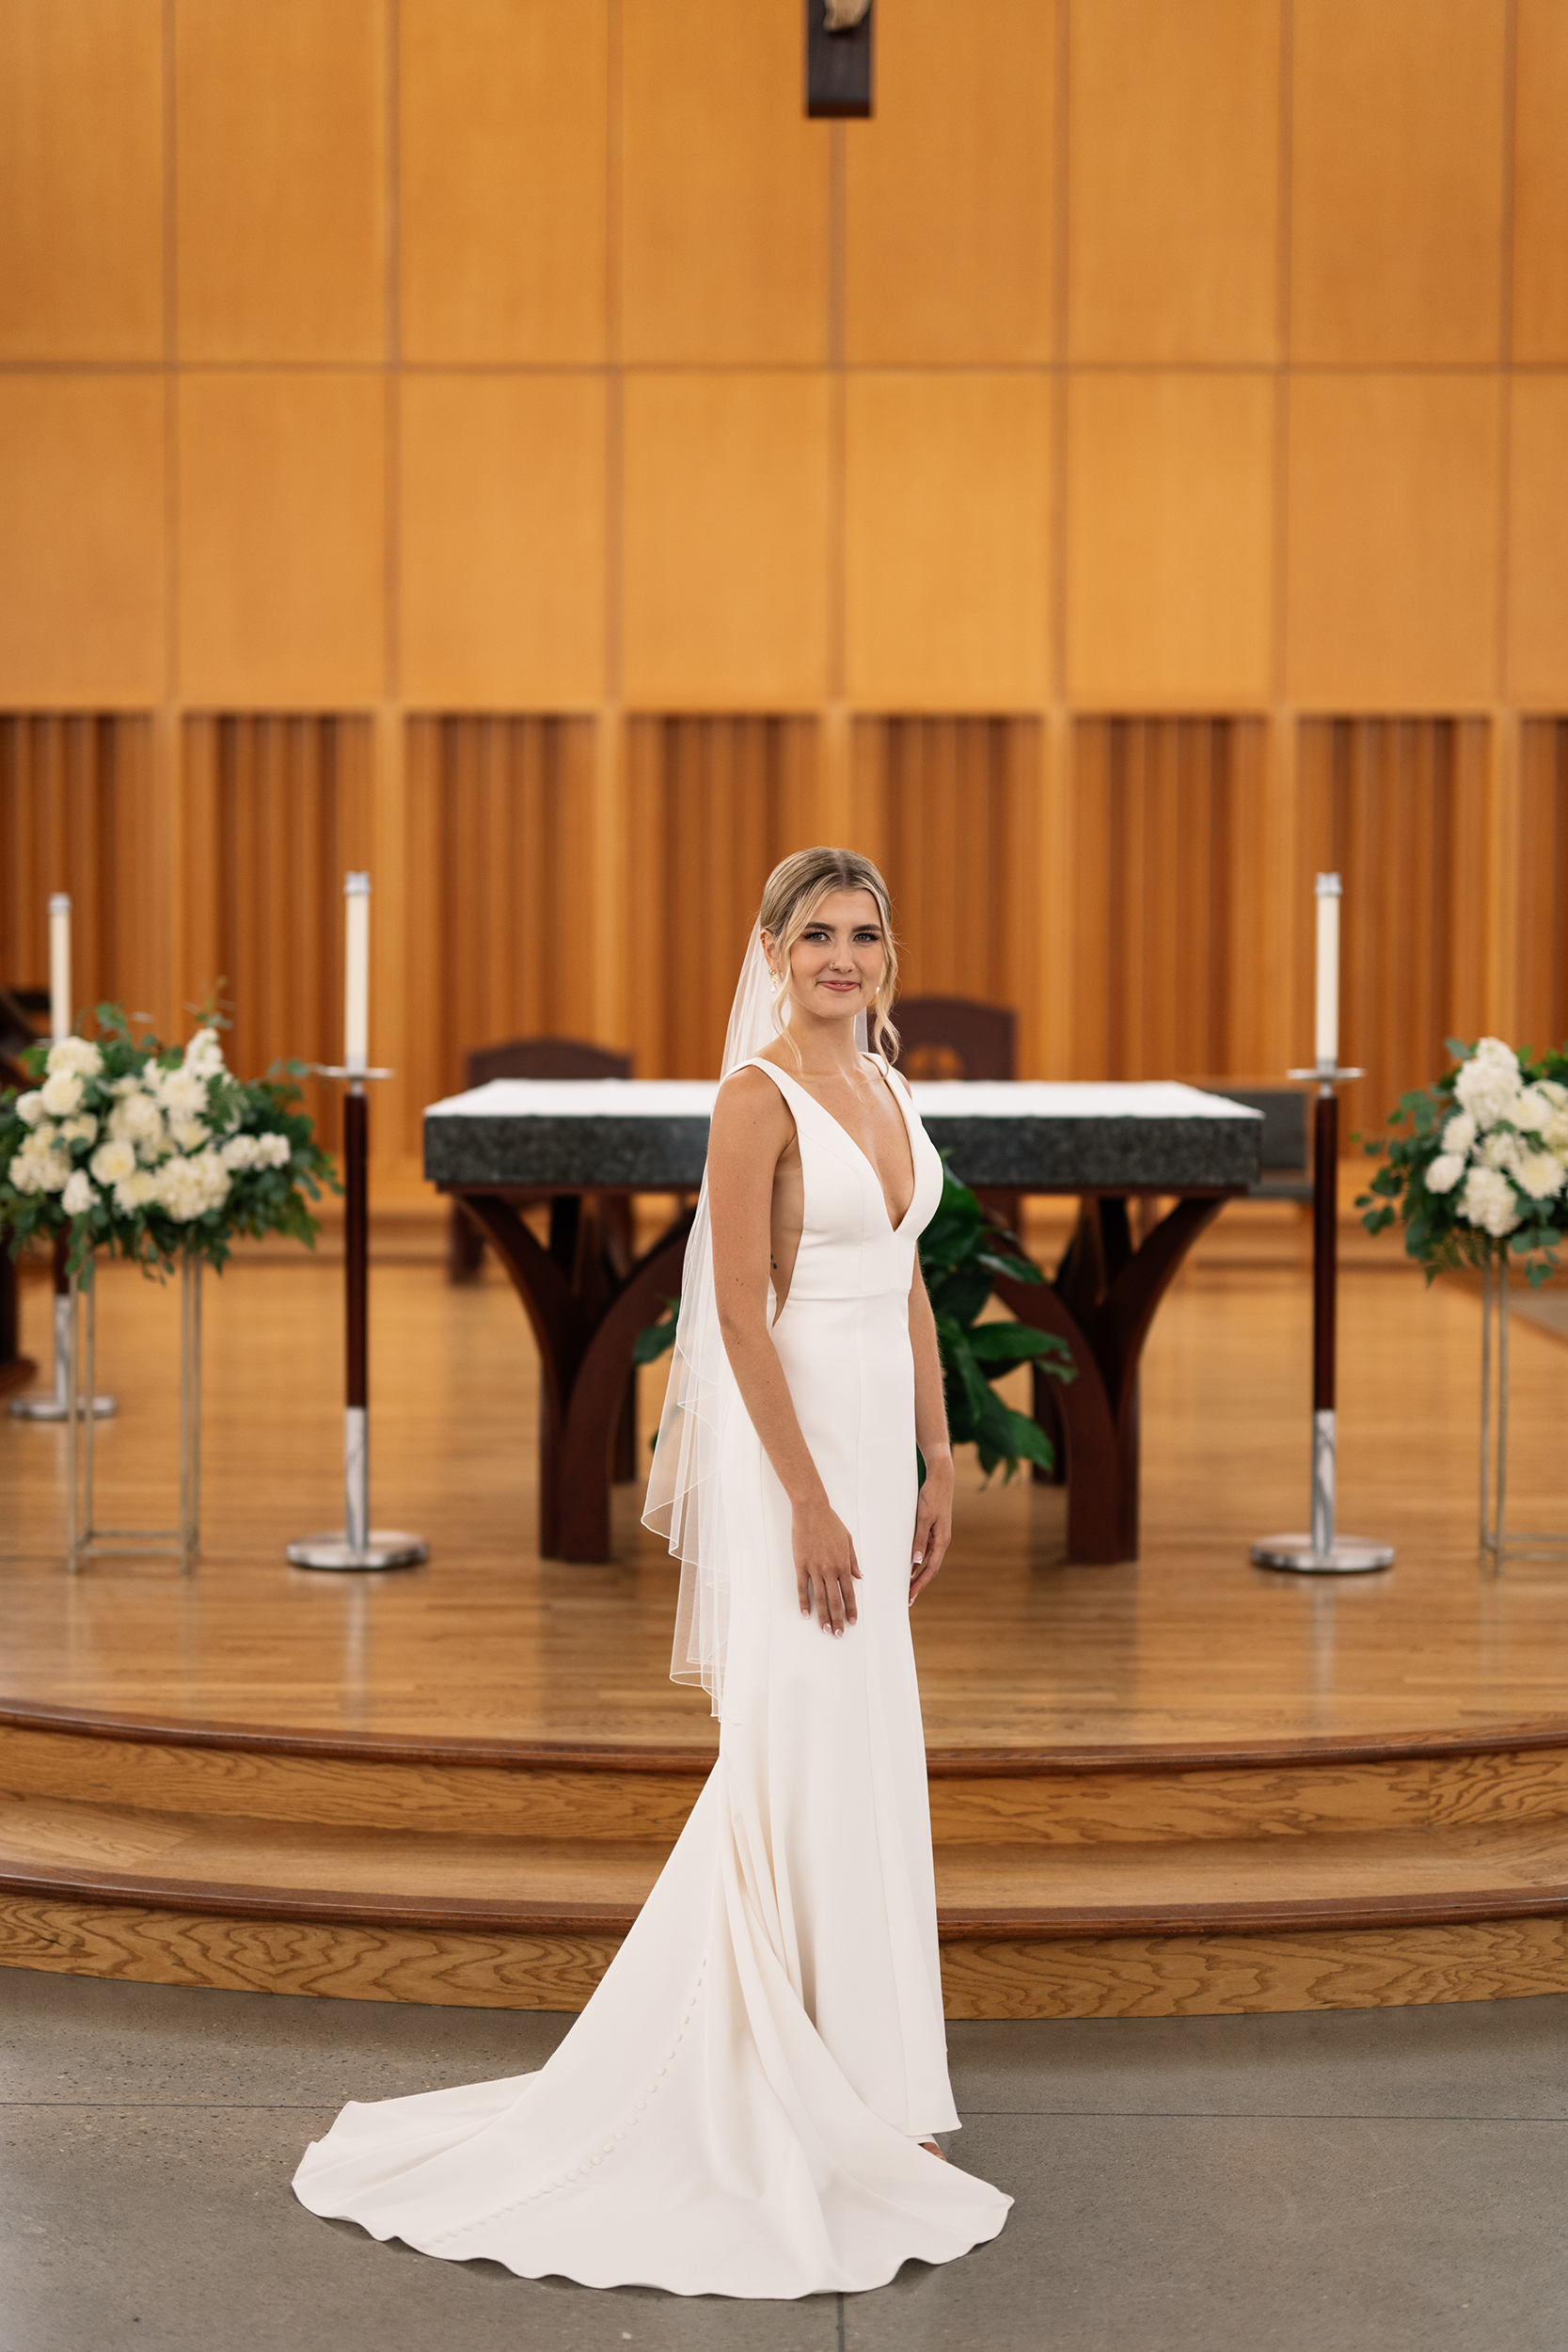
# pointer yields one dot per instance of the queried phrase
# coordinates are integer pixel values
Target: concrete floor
(1357, 2182)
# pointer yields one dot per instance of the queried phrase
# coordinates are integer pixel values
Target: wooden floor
(1183, 1783)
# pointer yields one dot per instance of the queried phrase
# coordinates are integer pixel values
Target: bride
(747, 2105)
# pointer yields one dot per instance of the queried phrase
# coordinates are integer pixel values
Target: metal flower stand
(1497, 1543)
(85, 1539)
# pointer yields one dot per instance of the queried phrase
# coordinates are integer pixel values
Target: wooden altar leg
(584, 1325)
(1102, 1303)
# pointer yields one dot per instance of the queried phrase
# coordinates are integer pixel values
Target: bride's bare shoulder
(749, 1102)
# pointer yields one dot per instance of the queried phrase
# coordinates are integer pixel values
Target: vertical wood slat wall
(76, 814)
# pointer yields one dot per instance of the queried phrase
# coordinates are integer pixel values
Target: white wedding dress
(739, 2108)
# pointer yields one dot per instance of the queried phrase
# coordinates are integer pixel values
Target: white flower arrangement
(153, 1151)
(1483, 1168)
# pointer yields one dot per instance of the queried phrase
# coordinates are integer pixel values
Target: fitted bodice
(849, 1246)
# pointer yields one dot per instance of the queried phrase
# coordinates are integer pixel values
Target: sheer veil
(685, 1501)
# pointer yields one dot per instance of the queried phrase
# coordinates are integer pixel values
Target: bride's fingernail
(918, 1557)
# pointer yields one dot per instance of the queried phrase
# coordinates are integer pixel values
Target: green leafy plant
(1481, 1170)
(963, 1251)
(155, 1151)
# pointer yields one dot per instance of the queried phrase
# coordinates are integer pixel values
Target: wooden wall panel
(1541, 183)
(1173, 209)
(281, 135)
(503, 234)
(502, 510)
(947, 808)
(1397, 807)
(281, 553)
(1543, 937)
(76, 815)
(1392, 539)
(1397, 166)
(714, 803)
(1538, 540)
(282, 809)
(1170, 515)
(950, 194)
(725, 541)
(81, 180)
(723, 228)
(502, 930)
(82, 498)
(947, 541)
(1167, 830)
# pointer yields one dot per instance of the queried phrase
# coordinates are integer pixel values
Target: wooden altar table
(578, 1140)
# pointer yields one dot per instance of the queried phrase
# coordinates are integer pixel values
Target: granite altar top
(652, 1135)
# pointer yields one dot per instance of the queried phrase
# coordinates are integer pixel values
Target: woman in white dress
(747, 2105)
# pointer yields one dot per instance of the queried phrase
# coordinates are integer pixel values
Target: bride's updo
(795, 889)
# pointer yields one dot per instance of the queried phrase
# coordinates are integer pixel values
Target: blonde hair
(795, 889)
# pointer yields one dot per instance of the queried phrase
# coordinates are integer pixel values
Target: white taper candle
(1327, 1052)
(357, 971)
(59, 968)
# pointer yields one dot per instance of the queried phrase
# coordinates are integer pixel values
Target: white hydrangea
(204, 1055)
(82, 1129)
(78, 1196)
(1489, 1083)
(190, 1133)
(1531, 1111)
(37, 1168)
(75, 1054)
(29, 1108)
(114, 1161)
(240, 1152)
(1502, 1149)
(130, 1083)
(138, 1120)
(62, 1093)
(273, 1151)
(1541, 1174)
(1489, 1202)
(182, 1092)
(1445, 1172)
(1459, 1134)
(188, 1188)
(136, 1191)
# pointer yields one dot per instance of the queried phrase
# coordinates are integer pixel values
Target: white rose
(240, 1151)
(130, 1083)
(62, 1093)
(29, 1108)
(1488, 1202)
(75, 1054)
(78, 1196)
(114, 1161)
(1502, 1149)
(1459, 1134)
(1541, 1174)
(1489, 1084)
(188, 1188)
(82, 1129)
(189, 1134)
(136, 1191)
(1446, 1171)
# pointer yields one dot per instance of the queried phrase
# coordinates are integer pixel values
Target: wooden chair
(956, 1037)
(543, 1057)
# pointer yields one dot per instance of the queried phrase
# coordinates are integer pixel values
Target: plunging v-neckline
(860, 1148)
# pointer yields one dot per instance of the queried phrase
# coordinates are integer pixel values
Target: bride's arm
(751, 1129)
(933, 1512)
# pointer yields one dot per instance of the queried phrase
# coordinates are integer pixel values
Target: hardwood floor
(1183, 1783)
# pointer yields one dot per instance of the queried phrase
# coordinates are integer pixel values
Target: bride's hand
(825, 1565)
(933, 1523)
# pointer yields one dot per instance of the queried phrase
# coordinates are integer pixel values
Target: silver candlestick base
(1348, 1555)
(387, 1547)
